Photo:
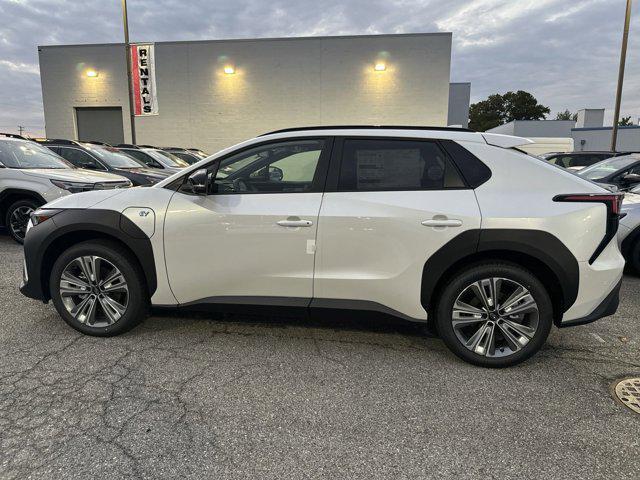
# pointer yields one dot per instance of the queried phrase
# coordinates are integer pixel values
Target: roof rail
(173, 148)
(126, 145)
(147, 146)
(363, 127)
(13, 135)
(57, 141)
(96, 142)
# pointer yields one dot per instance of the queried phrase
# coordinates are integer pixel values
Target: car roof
(375, 131)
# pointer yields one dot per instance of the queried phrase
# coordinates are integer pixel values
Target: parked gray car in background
(629, 229)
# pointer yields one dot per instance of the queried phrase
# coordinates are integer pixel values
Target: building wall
(600, 138)
(278, 83)
(504, 129)
(459, 100)
(536, 128)
(66, 86)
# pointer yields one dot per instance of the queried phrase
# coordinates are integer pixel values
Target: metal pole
(623, 56)
(125, 24)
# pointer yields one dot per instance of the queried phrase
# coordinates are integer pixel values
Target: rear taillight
(613, 202)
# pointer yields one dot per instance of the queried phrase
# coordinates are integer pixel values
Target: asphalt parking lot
(250, 397)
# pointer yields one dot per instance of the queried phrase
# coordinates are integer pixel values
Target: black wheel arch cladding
(11, 195)
(103, 224)
(499, 244)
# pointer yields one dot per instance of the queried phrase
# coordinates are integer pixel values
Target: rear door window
(390, 164)
(80, 158)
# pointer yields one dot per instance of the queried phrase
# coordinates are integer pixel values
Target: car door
(252, 240)
(393, 204)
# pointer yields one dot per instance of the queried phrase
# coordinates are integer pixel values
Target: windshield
(606, 167)
(114, 157)
(173, 160)
(25, 154)
(190, 159)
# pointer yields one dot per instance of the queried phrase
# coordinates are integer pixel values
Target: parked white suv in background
(425, 224)
(32, 175)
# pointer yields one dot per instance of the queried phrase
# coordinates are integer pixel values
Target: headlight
(73, 187)
(113, 185)
(42, 215)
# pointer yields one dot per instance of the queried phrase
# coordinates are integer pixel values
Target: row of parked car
(35, 171)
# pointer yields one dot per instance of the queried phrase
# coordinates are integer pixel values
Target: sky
(565, 52)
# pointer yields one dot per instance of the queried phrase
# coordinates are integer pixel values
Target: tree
(566, 115)
(624, 122)
(498, 109)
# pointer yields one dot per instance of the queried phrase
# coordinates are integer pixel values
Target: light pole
(623, 56)
(125, 24)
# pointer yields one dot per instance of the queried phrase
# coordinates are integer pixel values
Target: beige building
(268, 84)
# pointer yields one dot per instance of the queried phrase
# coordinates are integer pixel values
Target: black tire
(18, 236)
(494, 269)
(137, 306)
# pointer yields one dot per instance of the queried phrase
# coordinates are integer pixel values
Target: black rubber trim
(289, 305)
(364, 305)
(535, 243)
(607, 307)
(107, 222)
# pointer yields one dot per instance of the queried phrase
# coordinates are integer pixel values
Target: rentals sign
(143, 77)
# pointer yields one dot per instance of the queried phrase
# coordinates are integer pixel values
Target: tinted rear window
(379, 165)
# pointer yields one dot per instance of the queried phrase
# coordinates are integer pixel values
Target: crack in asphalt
(200, 398)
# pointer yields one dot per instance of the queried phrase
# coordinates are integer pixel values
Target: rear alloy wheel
(494, 315)
(98, 288)
(18, 215)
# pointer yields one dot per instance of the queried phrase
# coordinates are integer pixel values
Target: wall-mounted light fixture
(380, 67)
(229, 70)
(92, 73)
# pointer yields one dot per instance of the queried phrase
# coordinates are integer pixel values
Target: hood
(147, 172)
(630, 199)
(609, 186)
(85, 199)
(73, 175)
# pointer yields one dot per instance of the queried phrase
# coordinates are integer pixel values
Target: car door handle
(444, 222)
(289, 222)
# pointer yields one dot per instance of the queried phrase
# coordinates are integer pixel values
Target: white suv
(31, 175)
(425, 224)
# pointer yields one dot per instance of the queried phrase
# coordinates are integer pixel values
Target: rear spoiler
(505, 141)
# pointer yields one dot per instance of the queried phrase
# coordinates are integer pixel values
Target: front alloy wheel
(99, 288)
(495, 317)
(94, 291)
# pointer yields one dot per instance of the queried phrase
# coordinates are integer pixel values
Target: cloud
(20, 67)
(565, 52)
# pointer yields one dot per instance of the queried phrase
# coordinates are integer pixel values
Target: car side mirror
(198, 181)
